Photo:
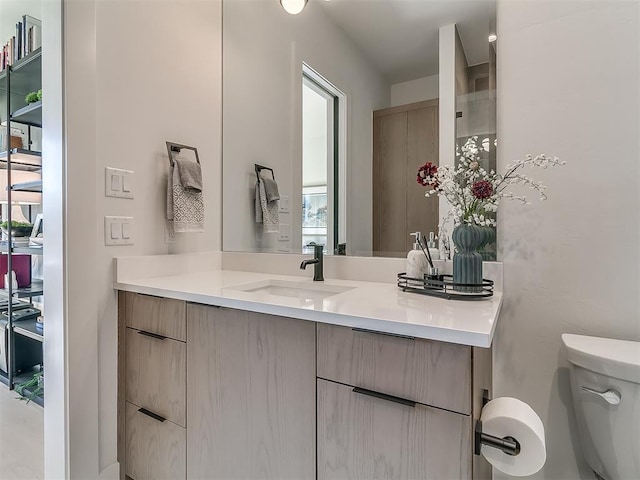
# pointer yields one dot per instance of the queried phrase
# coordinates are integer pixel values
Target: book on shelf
(31, 34)
(27, 39)
(18, 44)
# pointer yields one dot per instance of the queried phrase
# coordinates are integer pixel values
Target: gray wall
(568, 84)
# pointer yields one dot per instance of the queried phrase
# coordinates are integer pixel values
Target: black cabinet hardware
(384, 396)
(155, 416)
(152, 335)
(364, 330)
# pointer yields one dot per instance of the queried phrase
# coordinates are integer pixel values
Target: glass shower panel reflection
(476, 117)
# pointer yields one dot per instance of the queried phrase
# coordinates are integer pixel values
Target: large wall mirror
(340, 104)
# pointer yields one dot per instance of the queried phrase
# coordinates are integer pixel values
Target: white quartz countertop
(381, 307)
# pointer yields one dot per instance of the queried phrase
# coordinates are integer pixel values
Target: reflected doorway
(322, 161)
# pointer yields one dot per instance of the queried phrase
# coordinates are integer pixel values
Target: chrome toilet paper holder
(508, 445)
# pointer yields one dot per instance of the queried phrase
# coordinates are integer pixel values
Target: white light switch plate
(118, 231)
(283, 204)
(283, 232)
(118, 183)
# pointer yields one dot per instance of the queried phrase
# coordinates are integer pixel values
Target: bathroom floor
(21, 438)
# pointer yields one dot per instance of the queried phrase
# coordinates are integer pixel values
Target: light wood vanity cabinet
(392, 407)
(253, 396)
(154, 449)
(364, 437)
(432, 373)
(152, 364)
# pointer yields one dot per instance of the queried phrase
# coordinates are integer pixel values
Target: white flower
(456, 184)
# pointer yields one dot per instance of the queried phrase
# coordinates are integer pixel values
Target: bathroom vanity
(227, 379)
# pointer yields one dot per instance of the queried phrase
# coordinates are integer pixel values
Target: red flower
(427, 175)
(482, 189)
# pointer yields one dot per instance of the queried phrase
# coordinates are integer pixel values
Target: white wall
(127, 93)
(261, 56)
(568, 85)
(56, 414)
(425, 88)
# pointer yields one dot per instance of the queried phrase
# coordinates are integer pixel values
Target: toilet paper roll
(510, 417)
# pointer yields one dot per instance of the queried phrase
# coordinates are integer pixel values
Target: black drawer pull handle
(364, 330)
(148, 295)
(152, 335)
(384, 396)
(155, 416)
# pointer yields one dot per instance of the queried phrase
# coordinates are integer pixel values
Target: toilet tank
(609, 431)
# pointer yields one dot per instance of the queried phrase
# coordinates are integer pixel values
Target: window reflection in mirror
(318, 124)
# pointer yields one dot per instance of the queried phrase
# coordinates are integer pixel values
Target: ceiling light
(492, 38)
(293, 7)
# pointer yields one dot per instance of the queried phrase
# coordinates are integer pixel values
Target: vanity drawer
(363, 437)
(162, 316)
(156, 375)
(428, 372)
(155, 449)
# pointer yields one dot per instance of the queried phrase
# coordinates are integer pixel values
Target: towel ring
(175, 148)
(259, 168)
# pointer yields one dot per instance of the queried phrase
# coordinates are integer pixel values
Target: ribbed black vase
(467, 262)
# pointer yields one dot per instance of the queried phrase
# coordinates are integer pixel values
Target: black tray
(443, 286)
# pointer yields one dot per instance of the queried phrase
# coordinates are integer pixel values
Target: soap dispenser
(417, 263)
(431, 245)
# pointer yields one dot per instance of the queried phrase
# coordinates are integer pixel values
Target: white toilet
(605, 381)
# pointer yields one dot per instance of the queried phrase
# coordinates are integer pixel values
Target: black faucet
(316, 262)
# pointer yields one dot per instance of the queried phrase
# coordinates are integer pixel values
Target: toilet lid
(607, 356)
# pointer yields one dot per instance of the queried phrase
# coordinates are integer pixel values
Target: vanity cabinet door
(251, 400)
(362, 437)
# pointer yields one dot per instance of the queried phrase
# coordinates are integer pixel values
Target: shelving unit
(23, 337)
(30, 115)
(22, 159)
(29, 328)
(35, 186)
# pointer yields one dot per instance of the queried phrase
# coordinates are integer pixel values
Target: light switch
(283, 204)
(284, 230)
(118, 183)
(115, 231)
(126, 230)
(118, 230)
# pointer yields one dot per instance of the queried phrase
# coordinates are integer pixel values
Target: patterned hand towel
(185, 208)
(266, 212)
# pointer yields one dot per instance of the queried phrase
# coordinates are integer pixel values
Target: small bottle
(431, 245)
(417, 263)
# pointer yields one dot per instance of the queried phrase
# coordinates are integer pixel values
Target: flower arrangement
(473, 193)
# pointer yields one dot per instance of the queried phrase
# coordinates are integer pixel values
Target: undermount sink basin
(302, 291)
